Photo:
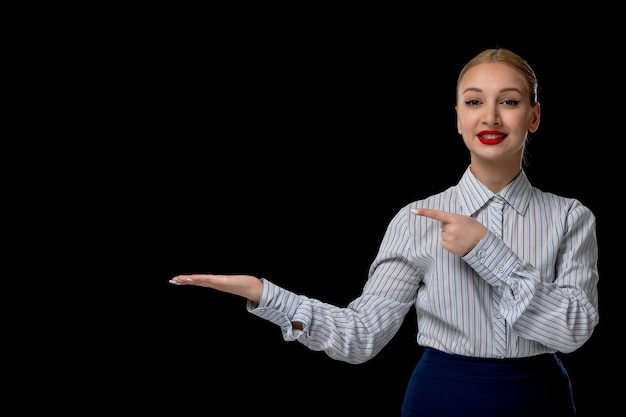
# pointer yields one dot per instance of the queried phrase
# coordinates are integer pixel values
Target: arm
(352, 334)
(551, 300)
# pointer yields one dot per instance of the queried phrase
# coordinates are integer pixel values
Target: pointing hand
(459, 233)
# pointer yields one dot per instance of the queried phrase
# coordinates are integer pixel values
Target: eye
(472, 102)
(512, 103)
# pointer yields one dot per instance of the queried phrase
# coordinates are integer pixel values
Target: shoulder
(436, 200)
(570, 207)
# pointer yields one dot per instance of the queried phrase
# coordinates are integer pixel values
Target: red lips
(491, 137)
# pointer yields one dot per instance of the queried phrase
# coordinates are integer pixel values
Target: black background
(282, 148)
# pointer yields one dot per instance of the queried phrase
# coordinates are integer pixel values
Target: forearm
(246, 286)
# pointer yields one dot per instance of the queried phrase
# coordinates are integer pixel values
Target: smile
(491, 138)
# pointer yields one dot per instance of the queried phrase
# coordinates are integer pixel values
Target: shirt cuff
(277, 306)
(492, 259)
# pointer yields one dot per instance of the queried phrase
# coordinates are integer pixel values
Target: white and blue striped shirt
(528, 287)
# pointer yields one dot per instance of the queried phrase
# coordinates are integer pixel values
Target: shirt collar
(474, 194)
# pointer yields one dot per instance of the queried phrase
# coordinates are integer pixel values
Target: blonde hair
(505, 56)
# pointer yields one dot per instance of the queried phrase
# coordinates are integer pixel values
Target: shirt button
(500, 269)
(500, 356)
(482, 254)
(498, 315)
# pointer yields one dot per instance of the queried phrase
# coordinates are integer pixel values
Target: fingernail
(174, 282)
(415, 211)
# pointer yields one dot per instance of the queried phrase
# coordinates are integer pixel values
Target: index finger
(442, 216)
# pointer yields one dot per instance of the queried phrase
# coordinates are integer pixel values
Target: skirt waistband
(546, 362)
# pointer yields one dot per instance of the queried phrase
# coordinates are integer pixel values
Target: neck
(495, 176)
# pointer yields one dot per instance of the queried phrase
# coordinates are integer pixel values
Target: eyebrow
(479, 90)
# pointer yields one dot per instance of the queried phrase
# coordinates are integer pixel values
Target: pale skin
(493, 103)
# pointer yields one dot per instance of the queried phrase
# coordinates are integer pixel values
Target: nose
(492, 116)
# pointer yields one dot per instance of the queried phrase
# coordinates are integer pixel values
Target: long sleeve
(555, 306)
(359, 331)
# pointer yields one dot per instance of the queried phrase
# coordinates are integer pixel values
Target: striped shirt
(528, 287)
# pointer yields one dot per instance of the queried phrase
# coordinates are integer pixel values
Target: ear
(535, 117)
(458, 122)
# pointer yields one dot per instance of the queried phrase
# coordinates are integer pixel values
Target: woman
(502, 275)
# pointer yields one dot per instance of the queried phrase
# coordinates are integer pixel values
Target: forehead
(492, 77)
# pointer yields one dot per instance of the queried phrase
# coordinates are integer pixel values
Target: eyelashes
(507, 103)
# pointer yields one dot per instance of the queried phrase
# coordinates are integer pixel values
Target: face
(494, 114)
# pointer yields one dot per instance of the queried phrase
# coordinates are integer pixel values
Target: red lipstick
(491, 137)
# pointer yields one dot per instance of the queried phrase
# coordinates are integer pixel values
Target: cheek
(517, 122)
(463, 122)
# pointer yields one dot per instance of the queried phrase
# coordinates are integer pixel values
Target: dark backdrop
(283, 150)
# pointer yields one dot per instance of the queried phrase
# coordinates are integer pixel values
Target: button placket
(496, 206)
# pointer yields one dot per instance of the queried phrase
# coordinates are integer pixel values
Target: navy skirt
(446, 385)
